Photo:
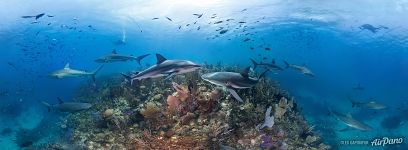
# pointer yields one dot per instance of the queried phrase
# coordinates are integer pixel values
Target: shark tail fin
(286, 64)
(128, 78)
(139, 58)
(47, 105)
(254, 62)
(96, 71)
(353, 103)
(263, 74)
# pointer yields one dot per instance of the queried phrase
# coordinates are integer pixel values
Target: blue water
(324, 36)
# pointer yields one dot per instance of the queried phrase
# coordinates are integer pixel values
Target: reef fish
(68, 72)
(166, 68)
(198, 15)
(115, 57)
(232, 80)
(271, 66)
(67, 106)
(351, 122)
(223, 31)
(302, 69)
(368, 105)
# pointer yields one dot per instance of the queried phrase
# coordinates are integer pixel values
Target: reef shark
(271, 66)
(165, 68)
(68, 72)
(369, 105)
(115, 57)
(371, 28)
(232, 80)
(302, 69)
(358, 87)
(351, 122)
(67, 106)
(36, 16)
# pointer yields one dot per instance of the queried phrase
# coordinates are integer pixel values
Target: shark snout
(206, 76)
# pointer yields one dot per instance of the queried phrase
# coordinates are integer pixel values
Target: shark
(199, 15)
(233, 80)
(67, 106)
(371, 28)
(115, 57)
(302, 69)
(68, 72)
(271, 66)
(36, 16)
(165, 68)
(369, 105)
(358, 87)
(351, 122)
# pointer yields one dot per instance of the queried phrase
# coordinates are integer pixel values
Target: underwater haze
(204, 74)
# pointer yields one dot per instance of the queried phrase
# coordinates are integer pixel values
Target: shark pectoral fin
(234, 94)
(46, 105)
(93, 78)
(60, 100)
(131, 81)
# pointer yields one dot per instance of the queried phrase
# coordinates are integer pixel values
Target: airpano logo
(386, 141)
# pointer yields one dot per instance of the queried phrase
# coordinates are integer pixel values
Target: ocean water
(356, 50)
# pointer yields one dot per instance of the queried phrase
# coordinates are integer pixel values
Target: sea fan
(269, 120)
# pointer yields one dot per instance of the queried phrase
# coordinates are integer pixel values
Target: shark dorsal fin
(66, 66)
(160, 59)
(245, 72)
(114, 51)
(60, 101)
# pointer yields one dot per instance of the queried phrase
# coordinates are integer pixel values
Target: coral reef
(188, 113)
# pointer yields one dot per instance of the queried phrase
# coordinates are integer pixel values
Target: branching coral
(151, 111)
